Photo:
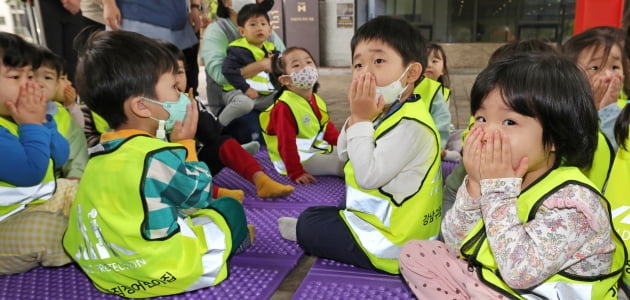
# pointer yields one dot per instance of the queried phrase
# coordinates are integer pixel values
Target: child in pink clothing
(526, 222)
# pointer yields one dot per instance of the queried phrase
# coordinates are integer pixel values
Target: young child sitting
(218, 150)
(48, 75)
(31, 146)
(526, 224)
(248, 86)
(391, 149)
(296, 128)
(155, 222)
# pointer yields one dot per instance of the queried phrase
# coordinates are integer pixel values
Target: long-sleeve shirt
(237, 58)
(77, 160)
(214, 49)
(175, 184)
(282, 123)
(24, 159)
(397, 161)
(570, 230)
(607, 118)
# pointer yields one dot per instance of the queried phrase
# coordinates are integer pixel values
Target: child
(218, 150)
(526, 222)
(48, 75)
(297, 130)
(248, 87)
(437, 68)
(391, 149)
(154, 228)
(31, 145)
(435, 97)
(66, 94)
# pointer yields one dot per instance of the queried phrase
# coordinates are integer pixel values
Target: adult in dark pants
(62, 21)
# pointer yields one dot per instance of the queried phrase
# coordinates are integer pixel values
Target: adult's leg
(322, 232)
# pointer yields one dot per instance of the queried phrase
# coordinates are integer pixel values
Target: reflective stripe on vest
(380, 225)
(13, 198)
(104, 234)
(310, 130)
(476, 248)
(260, 82)
(617, 193)
(427, 89)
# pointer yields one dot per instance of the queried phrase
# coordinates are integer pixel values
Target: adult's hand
(73, 6)
(111, 14)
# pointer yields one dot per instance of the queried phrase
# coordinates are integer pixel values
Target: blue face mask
(176, 111)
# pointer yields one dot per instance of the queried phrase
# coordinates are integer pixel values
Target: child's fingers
(522, 167)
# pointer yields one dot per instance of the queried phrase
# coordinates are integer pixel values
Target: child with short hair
(30, 235)
(298, 133)
(48, 75)
(218, 150)
(526, 222)
(247, 87)
(155, 220)
(391, 149)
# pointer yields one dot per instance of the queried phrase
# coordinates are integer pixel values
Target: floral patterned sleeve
(460, 219)
(570, 231)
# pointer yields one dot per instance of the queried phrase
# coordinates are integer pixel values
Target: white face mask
(304, 79)
(392, 91)
(238, 4)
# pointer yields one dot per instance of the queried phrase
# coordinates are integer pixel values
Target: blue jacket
(171, 14)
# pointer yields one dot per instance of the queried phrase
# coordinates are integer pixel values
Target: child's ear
(241, 30)
(284, 80)
(415, 71)
(138, 107)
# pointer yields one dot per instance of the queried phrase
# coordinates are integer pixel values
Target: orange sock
(269, 188)
(239, 195)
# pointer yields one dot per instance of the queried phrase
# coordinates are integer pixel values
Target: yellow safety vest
(261, 80)
(428, 88)
(15, 198)
(104, 234)
(380, 225)
(476, 249)
(63, 118)
(99, 123)
(310, 130)
(617, 193)
(602, 162)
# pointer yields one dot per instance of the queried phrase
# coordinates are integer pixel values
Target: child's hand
(472, 154)
(306, 178)
(606, 89)
(251, 93)
(30, 107)
(187, 129)
(496, 158)
(362, 99)
(69, 96)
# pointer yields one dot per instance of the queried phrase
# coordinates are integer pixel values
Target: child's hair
(602, 36)
(439, 52)
(16, 52)
(621, 124)
(279, 67)
(551, 89)
(399, 34)
(250, 11)
(51, 59)
(116, 65)
(178, 53)
(519, 47)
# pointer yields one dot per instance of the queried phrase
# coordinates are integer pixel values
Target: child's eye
(49, 78)
(379, 61)
(357, 66)
(480, 119)
(594, 68)
(616, 67)
(509, 123)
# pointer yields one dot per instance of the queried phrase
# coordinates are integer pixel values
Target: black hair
(117, 65)
(51, 59)
(444, 78)
(178, 53)
(251, 11)
(551, 89)
(520, 46)
(16, 52)
(224, 11)
(279, 67)
(399, 34)
(621, 128)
